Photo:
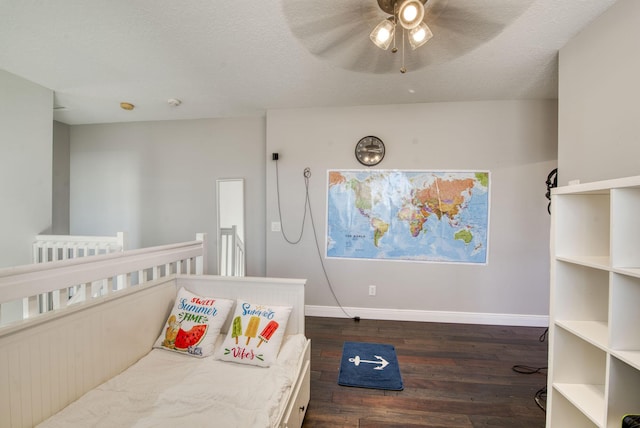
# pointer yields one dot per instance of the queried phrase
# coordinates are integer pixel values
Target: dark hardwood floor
(455, 375)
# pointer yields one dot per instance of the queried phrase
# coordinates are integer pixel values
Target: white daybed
(92, 359)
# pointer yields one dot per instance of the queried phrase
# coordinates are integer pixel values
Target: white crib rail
(100, 273)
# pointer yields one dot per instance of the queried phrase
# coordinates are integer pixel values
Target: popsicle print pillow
(194, 324)
(255, 334)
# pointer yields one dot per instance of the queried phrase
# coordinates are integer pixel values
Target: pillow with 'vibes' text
(255, 334)
(194, 324)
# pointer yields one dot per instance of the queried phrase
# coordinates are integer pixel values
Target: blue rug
(370, 365)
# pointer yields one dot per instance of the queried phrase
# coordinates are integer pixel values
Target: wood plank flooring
(455, 376)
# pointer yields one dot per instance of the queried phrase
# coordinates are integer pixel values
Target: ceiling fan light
(411, 13)
(419, 35)
(382, 35)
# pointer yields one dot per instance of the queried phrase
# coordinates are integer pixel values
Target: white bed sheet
(166, 389)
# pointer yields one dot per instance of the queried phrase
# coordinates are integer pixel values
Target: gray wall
(61, 168)
(515, 140)
(157, 181)
(599, 89)
(26, 117)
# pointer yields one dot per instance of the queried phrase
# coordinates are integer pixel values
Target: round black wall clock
(370, 151)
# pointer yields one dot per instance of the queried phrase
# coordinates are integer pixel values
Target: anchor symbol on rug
(383, 363)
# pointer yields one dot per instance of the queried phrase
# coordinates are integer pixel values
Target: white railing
(231, 259)
(47, 248)
(99, 273)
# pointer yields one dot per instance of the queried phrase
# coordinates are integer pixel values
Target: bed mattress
(167, 389)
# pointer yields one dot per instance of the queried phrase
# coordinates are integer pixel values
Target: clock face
(370, 151)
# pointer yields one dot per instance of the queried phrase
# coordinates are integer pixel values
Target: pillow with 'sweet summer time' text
(194, 324)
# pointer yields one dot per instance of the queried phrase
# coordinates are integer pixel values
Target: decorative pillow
(194, 324)
(255, 334)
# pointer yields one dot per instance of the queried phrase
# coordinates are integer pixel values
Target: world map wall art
(421, 216)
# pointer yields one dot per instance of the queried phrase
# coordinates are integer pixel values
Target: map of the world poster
(426, 216)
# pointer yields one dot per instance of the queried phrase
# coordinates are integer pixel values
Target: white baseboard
(429, 316)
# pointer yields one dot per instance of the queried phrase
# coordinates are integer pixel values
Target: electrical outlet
(275, 226)
(372, 290)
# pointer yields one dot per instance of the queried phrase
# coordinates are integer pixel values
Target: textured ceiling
(242, 57)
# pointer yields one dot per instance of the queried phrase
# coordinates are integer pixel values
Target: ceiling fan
(340, 31)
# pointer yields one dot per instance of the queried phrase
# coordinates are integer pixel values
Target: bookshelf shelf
(594, 342)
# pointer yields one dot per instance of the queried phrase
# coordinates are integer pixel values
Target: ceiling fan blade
(460, 26)
(318, 24)
(478, 19)
(338, 31)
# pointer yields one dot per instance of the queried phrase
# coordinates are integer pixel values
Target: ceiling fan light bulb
(382, 35)
(419, 35)
(411, 13)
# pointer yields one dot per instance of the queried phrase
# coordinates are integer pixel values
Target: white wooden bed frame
(51, 359)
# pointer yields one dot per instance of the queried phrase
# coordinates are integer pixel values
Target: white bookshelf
(594, 331)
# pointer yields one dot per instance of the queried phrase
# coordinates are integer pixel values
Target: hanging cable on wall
(306, 173)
